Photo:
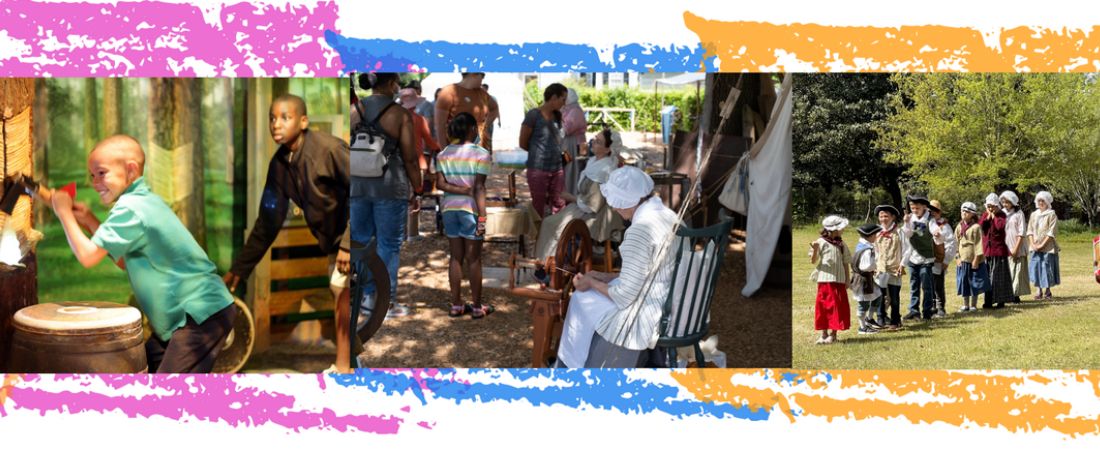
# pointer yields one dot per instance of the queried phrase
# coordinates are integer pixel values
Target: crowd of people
(999, 255)
(614, 317)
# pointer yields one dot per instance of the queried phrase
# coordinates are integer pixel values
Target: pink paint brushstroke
(147, 39)
(209, 398)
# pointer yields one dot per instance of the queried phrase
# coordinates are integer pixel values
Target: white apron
(586, 310)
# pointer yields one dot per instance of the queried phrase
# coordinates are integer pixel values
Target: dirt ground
(753, 332)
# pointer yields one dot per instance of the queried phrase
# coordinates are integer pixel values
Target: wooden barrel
(78, 337)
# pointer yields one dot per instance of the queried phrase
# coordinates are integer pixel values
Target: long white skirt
(586, 310)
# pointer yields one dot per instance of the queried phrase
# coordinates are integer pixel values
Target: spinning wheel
(573, 255)
(365, 264)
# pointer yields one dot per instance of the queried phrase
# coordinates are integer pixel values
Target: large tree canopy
(835, 121)
(966, 134)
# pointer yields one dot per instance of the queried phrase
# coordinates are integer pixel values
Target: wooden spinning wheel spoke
(573, 255)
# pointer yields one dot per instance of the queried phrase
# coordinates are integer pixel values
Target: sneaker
(940, 314)
(397, 310)
(867, 330)
(964, 309)
(912, 316)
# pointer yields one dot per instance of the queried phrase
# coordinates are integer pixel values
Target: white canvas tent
(769, 191)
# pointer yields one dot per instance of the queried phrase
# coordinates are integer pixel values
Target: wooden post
(259, 150)
(18, 285)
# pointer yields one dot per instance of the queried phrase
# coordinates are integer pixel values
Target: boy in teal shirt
(188, 307)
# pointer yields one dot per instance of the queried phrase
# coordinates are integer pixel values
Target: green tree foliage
(836, 161)
(646, 104)
(967, 134)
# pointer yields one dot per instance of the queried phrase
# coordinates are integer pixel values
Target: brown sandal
(480, 313)
(460, 310)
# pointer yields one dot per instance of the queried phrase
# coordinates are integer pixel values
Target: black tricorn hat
(868, 229)
(918, 199)
(888, 208)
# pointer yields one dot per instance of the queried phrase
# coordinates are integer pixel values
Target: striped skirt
(971, 280)
(1044, 270)
(1000, 277)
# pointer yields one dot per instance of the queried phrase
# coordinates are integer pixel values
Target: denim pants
(920, 278)
(385, 220)
(891, 295)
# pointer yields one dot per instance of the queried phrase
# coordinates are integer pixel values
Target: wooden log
(18, 289)
(18, 285)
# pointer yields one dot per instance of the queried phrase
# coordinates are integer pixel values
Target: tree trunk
(41, 126)
(112, 106)
(18, 285)
(91, 115)
(175, 158)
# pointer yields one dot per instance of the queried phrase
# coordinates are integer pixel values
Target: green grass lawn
(1057, 334)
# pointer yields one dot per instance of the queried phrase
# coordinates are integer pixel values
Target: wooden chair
(685, 320)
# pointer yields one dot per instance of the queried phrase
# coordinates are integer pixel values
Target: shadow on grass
(927, 328)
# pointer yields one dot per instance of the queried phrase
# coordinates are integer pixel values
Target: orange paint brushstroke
(766, 47)
(10, 380)
(989, 400)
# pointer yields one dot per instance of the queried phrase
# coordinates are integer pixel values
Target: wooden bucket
(78, 337)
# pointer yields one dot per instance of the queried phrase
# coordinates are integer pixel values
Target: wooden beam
(285, 269)
(295, 237)
(289, 302)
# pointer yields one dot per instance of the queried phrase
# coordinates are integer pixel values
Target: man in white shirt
(920, 257)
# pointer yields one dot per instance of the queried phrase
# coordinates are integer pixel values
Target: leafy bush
(647, 106)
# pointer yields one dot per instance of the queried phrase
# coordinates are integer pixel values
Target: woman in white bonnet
(613, 318)
(1042, 230)
(588, 205)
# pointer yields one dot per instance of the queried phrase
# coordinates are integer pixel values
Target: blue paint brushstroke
(393, 55)
(605, 389)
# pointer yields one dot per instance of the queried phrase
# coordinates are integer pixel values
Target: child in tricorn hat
(889, 248)
(945, 247)
(864, 288)
(920, 258)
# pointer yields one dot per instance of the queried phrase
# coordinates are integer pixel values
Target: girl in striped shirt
(463, 168)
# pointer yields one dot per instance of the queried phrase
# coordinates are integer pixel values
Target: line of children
(989, 249)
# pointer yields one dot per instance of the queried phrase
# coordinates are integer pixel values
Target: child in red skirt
(831, 258)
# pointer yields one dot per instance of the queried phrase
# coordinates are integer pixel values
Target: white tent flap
(769, 191)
